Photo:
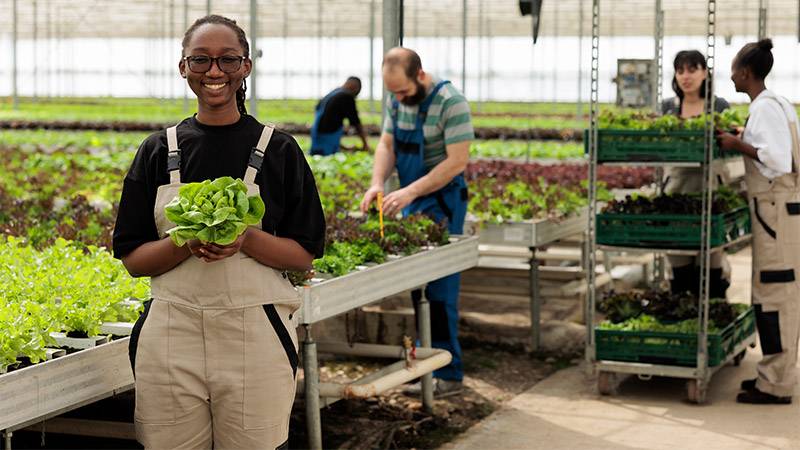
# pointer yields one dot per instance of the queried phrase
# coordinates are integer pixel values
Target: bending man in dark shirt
(328, 128)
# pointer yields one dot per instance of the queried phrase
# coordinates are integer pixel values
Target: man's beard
(417, 98)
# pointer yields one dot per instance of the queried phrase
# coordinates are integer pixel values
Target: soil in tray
(77, 334)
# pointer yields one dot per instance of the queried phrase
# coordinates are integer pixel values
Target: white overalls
(215, 352)
(775, 216)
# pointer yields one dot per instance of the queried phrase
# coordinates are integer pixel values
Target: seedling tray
(675, 349)
(652, 146)
(679, 231)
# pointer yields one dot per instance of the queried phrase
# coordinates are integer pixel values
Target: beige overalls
(775, 215)
(215, 352)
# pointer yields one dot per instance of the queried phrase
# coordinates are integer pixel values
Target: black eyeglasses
(202, 63)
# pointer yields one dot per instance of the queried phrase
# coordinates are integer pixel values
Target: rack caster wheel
(695, 393)
(605, 383)
(737, 360)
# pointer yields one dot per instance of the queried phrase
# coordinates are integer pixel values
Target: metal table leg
(424, 326)
(536, 300)
(311, 372)
(7, 438)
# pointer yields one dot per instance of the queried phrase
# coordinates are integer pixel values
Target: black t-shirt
(340, 105)
(207, 152)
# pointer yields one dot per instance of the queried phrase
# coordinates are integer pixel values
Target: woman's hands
(211, 252)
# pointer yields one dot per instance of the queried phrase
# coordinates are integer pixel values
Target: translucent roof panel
(342, 18)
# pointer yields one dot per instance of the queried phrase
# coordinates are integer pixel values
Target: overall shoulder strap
(426, 104)
(795, 139)
(173, 155)
(257, 154)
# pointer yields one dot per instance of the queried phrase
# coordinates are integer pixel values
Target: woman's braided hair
(230, 23)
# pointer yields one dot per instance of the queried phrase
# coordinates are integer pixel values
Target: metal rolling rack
(339, 295)
(700, 375)
(532, 235)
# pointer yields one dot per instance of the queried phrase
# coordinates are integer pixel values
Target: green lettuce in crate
(215, 211)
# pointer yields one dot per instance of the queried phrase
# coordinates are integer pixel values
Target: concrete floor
(565, 412)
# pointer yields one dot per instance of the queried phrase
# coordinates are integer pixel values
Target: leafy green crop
(66, 287)
(215, 211)
(662, 311)
(636, 120)
(724, 200)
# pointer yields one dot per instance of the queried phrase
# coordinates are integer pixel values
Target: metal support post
(480, 54)
(372, 57)
(590, 230)
(424, 326)
(7, 437)
(35, 48)
(658, 77)
(311, 374)
(254, 54)
(185, 85)
(49, 31)
(391, 36)
(555, 46)
(171, 35)
(319, 48)
(762, 20)
(15, 99)
(464, 46)
(208, 7)
(401, 21)
(703, 374)
(579, 111)
(536, 300)
(285, 49)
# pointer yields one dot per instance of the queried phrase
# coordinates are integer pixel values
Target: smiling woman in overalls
(215, 352)
(426, 136)
(771, 153)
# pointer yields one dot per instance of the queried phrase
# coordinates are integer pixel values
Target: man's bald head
(404, 59)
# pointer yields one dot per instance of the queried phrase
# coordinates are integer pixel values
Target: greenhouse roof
(351, 18)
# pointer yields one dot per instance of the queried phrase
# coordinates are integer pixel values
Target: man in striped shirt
(426, 137)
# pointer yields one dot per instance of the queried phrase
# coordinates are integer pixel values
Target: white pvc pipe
(395, 375)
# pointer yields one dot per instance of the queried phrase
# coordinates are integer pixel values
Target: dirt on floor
(493, 375)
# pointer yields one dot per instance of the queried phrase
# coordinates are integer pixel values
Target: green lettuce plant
(215, 211)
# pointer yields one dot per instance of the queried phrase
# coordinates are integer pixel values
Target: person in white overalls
(214, 354)
(771, 152)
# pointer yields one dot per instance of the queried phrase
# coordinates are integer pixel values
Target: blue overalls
(325, 143)
(448, 203)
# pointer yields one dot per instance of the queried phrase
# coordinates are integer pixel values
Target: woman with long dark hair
(215, 352)
(771, 150)
(689, 84)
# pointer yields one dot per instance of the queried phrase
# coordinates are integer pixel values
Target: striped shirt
(448, 121)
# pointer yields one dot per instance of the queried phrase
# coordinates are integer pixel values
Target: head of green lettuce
(213, 211)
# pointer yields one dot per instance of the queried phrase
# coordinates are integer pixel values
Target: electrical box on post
(635, 82)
